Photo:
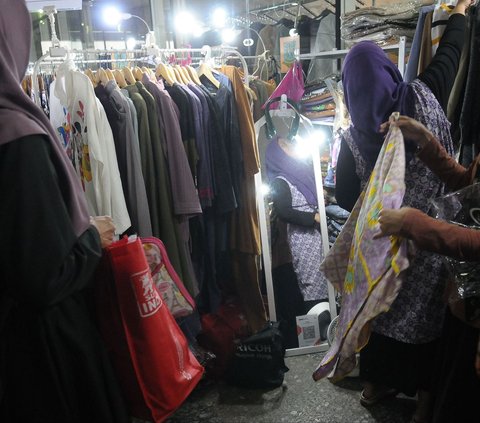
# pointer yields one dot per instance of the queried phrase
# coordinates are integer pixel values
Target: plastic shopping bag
(292, 85)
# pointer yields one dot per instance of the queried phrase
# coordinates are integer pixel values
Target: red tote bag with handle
(164, 366)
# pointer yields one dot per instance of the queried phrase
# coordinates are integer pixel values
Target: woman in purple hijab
(399, 355)
(295, 202)
(53, 367)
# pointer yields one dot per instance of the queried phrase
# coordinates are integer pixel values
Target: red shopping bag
(291, 85)
(165, 369)
(219, 332)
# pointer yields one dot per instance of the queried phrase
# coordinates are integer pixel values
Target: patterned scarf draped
(365, 270)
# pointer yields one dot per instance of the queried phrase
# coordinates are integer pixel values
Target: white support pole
(264, 236)
(401, 55)
(323, 225)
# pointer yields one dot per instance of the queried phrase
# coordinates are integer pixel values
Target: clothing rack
(338, 54)
(57, 55)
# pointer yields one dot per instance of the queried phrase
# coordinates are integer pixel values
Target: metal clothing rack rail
(338, 54)
(57, 55)
(75, 55)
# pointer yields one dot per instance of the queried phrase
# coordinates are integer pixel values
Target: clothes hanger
(186, 76)
(270, 127)
(148, 72)
(193, 75)
(262, 62)
(206, 71)
(164, 72)
(91, 76)
(127, 73)
(101, 76)
(120, 78)
(137, 73)
(324, 14)
(286, 22)
(110, 75)
(178, 76)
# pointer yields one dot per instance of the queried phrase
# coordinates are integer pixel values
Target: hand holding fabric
(412, 130)
(391, 221)
(105, 228)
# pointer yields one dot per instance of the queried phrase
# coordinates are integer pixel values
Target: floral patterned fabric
(365, 270)
(416, 316)
(307, 252)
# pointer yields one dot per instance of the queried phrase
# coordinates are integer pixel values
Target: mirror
(286, 296)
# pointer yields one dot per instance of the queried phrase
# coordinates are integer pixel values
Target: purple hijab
(297, 172)
(373, 88)
(19, 116)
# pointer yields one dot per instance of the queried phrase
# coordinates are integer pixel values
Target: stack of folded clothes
(383, 25)
(318, 104)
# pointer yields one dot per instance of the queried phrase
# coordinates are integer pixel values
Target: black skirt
(405, 367)
(56, 369)
(457, 387)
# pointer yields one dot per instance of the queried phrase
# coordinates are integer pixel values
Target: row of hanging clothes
(258, 90)
(464, 101)
(170, 151)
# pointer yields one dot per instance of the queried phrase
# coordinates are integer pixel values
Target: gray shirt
(135, 194)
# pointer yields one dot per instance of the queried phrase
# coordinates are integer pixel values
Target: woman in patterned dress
(295, 202)
(398, 357)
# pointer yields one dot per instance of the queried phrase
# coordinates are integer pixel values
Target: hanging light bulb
(131, 43)
(112, 16)
(228, 35)
(219, 18)
(185, 22)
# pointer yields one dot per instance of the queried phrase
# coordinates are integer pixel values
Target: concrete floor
(300, 400)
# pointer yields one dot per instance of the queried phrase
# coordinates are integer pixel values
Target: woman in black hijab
(53, 367)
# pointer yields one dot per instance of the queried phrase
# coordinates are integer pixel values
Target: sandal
(381, 395)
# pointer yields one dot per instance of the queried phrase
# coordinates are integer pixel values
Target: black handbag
(259, 361)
